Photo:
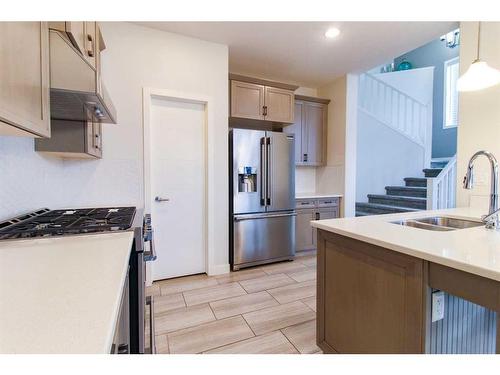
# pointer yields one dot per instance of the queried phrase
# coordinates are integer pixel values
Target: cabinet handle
(264, 110)
(305, 158)
(90, 46)
(317, 215)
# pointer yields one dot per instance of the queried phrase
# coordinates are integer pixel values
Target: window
(450, 102)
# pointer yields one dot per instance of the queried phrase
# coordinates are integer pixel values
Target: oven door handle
(150, 255)
(152, 341)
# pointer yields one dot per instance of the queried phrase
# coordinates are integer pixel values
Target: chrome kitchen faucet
(491, 220)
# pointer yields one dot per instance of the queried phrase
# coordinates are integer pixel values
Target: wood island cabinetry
(371, 299)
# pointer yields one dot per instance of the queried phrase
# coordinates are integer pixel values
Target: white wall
(384, 157)
(479, 114)
(135, 57)
(331, 178)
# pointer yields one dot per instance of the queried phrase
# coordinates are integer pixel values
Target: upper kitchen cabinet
(24, 79)
(278, 104)
(257, 99)
(83, 35)
(75, 73)
(310, 129)
(247, 100)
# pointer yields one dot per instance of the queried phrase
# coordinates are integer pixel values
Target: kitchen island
(62, 294)
(376, 280)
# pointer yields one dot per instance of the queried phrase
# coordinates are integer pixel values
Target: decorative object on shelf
(479, 75)
(451, 39)
(387, 68)
(404, 65)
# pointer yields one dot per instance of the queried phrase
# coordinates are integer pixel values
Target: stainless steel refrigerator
(262, 197)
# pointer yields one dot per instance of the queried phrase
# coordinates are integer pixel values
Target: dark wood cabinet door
(370, 299)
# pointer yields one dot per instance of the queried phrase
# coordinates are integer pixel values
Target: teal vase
(404, 65)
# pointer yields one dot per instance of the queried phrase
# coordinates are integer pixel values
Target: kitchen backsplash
(30, 180)
(305, 180)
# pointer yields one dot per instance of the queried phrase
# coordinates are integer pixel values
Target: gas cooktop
(45, 222)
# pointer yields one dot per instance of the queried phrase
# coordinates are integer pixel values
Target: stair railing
(441, 190)
(397, 110)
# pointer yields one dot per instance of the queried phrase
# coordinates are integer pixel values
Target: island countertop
(474, 250)
(62, 294)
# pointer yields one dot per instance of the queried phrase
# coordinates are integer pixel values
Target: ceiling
(298, 52)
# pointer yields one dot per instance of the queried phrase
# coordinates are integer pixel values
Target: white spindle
(394, 108)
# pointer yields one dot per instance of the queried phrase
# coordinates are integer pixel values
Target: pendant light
(479, 75)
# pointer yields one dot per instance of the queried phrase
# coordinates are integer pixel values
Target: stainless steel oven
(143, 251)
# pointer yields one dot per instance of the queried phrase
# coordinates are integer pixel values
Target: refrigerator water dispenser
(247, 178)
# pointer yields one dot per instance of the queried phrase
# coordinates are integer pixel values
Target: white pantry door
(178, 173)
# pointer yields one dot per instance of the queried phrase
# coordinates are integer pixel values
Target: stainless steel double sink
(438, 223)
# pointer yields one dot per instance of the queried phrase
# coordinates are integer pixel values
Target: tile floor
(266, 309)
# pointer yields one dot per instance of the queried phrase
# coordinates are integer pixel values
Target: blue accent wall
(435, 53)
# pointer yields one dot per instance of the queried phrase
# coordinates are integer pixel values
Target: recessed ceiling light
(332, 32)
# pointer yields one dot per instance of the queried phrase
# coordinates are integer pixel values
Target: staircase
(410, 197)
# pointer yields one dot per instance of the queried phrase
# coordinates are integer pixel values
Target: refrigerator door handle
(268, 171)
(253, 217)
(263, 172)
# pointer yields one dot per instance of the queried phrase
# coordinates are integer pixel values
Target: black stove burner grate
(72, 221)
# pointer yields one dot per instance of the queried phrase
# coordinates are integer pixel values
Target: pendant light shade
(479, 75)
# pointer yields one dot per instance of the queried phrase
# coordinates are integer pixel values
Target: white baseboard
(218, 269)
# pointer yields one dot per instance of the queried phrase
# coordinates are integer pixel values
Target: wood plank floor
(268, 309)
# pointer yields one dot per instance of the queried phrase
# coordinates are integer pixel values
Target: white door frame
(148, 94)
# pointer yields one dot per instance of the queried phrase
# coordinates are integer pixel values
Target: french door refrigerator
(262, 197)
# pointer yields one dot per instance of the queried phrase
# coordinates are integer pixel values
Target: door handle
(263, 172)
(90, 46)
(268, 171)
(159, 199)
(265, 216)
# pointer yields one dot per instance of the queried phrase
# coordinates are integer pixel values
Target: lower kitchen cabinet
(304, 235)
(370, 299)
(24, 79)
(308, 210)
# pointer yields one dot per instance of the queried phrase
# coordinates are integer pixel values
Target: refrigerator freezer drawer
(263, 238)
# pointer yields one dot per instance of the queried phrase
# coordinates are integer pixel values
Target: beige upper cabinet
(257, 99)
(310, 129)
(24, 79)
(247, 100)
(84, 37)
(279, 105)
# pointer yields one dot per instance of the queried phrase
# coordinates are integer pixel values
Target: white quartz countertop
(62, 295)
(475, 250)
(316, 195)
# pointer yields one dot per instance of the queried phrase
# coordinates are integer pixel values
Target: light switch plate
(437, 305)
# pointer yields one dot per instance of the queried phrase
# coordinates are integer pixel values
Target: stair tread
(385, 206)
(418, 188)
(397, 197)
(432, 169)
(415, 178)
